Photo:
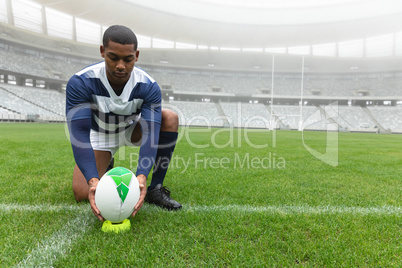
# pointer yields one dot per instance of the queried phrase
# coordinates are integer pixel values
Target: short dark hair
(119, 34)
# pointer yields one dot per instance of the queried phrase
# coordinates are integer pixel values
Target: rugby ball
(117, 193)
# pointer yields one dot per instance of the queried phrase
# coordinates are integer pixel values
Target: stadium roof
(235, 23)
(232, 24)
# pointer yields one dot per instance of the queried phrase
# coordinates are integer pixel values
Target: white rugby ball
(117, 193)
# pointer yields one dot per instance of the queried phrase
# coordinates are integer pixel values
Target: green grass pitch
(251, 198)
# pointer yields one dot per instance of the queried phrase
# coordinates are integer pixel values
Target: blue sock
(166, 145)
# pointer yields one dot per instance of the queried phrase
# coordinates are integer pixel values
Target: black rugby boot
(160, 196)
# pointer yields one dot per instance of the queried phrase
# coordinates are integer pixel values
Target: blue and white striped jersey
(91, 103)
(111, 113)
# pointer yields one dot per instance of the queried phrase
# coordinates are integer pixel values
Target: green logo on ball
(122, 178)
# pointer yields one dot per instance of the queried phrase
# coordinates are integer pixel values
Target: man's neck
(118, 90)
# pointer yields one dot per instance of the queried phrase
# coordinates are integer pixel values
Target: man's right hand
(142, 180)
(93, 183)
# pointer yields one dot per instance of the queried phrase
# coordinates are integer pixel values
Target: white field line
(281, 209)
(50, 208)
(59, 243)
(302, 209)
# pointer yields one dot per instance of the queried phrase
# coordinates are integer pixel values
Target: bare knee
(80, 185)
(170, 121)
(80, 198)
(80, 193)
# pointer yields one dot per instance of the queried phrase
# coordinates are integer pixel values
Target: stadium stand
(196, 113)
(5, 111)
(248, 115)
(289, 117)
(50, 100)
(23, 63)
(390, 118)
(200, 94)
(388, 84)
(19, 105)
(355, 119)
(62, 67)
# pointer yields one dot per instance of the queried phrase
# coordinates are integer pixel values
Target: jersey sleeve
(78, 99)
(151, 109)
(79, 114)
(82, 150)
(151, 117)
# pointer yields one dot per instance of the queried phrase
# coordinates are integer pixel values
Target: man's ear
(102, 51)
(137, 53)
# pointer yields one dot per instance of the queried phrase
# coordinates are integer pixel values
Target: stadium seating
(246, 115)
(27, 101)
(196, 113)
(5, 111)
(19, 101)
(289, 117)
(51, 100)
(355, 119)
(62, 67)
(389, 117)
(23, 63)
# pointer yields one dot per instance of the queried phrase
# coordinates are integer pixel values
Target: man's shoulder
(84, 75)
(142, 75)
(92, 70)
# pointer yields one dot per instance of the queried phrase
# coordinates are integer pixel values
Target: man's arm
(151, 117)
(149, 147)
(82, 149)
(81, 144)
(85, 158)
(79, 118)
(79, 114)
(146, 159)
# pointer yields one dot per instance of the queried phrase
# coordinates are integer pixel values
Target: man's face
(120, 60)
